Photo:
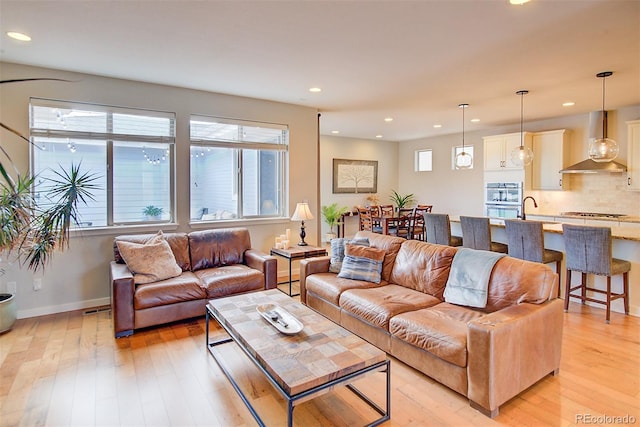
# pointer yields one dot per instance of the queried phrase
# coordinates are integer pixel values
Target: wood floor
(68, 370)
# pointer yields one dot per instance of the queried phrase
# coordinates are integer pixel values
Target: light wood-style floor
(68, 370)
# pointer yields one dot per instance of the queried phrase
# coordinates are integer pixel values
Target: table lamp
(302, 213)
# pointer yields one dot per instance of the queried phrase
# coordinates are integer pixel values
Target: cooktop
(593, 214)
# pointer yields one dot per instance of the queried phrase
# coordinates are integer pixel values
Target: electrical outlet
(12, 287)
(37, 284)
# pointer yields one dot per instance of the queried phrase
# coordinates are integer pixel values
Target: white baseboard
(53, 309)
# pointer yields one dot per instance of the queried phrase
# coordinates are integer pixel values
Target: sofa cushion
(379, 304)
(178, 241)
(328, 286)
(150, 261)
(185, 287)
(214, 248)
(230, 279)
(337, 251)
(362, 263)
(440, 330)
(390, 245)
(423, 266)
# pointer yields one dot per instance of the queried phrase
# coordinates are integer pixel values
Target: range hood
(596, 124)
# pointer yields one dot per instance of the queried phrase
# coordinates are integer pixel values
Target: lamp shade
(302, 213)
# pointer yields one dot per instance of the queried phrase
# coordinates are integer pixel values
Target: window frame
(109, 138)
(282, 148)
(417, 159)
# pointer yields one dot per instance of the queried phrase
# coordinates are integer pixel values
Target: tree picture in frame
(355, 176)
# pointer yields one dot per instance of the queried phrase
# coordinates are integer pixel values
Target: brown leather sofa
(488, 355)
(214, 263)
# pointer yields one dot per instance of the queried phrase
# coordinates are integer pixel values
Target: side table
(294, 253)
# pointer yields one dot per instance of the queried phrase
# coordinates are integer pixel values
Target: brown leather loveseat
(210, 264)
(487, 354)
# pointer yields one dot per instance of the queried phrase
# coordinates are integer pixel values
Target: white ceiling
(414, 61)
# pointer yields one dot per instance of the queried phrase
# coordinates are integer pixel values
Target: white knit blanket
(468, 280)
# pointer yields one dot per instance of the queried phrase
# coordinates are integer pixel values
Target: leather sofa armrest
(265, 263)
(122, 290)
(310, 266)
(511, 349)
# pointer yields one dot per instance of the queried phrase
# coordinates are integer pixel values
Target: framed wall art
(355, 176)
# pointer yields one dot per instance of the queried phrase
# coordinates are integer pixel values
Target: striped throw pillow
(362, 263)
(337, 251)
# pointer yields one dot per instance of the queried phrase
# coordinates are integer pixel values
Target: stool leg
(584, 288)
(558, 273)
(608, 298)
(567, 286)
(625, 281)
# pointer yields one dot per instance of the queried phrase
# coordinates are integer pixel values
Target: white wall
(332, 147)
(79, 277)
(460, 192)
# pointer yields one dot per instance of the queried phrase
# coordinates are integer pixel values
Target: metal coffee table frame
(384, 366)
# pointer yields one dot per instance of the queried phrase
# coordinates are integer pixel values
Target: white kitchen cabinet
(498, 148)
(550, 155)
(633, 155)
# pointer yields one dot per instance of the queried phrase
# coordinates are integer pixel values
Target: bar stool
(589, 251)
(526, 241)
(438, 229)
(476, 234)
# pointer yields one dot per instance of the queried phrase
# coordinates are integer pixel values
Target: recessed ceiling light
(315, 89)
(378, 136)
(475, 120)
(335, 131)
(388, 119)
(19, 36)
(518, 2)
(437, 126)
(568, 104)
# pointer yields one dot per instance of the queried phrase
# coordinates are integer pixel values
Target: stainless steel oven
(503, 199)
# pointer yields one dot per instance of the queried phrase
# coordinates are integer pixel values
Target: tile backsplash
(605, 193)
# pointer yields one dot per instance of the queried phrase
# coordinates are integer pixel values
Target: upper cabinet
(550, 155)
(498, 148)
(633, 155)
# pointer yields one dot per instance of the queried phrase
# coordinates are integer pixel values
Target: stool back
(438, 228)
(476, 232)
(588, 249)
(525, 239)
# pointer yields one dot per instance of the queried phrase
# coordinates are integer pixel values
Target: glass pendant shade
(603, 149)
(463, 159)
(522, 155)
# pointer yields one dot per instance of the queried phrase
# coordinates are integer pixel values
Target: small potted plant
(332, 214)
(152, 213)
(401, 201)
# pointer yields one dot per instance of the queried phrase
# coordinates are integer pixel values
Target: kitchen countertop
(619, 230)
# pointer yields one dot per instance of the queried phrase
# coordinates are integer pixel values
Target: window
(238, 169)
(458, 149)
(424, 160)
(137, 143)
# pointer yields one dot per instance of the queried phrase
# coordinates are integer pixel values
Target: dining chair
(589, 251)
(526, 241)
(424, 208)
(366, 221)
(438, 229)
(476, 234)
(386, 210)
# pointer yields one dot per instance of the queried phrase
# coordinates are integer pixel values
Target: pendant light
(603, 149)
(522, 155)
(463, 159)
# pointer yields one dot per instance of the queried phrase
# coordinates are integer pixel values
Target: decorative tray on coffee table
(280, 318)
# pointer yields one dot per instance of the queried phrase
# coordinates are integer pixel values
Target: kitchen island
(626, 245)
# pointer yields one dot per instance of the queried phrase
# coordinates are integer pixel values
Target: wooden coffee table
(301, 366)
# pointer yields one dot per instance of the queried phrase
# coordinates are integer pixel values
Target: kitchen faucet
(522, 215)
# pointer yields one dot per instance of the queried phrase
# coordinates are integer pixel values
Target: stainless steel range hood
(597, 128)
(589, 166)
